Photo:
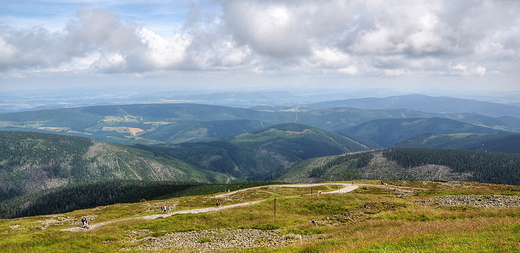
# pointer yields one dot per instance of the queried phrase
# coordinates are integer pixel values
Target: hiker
(84, 223)
(169, 209)
(217, 203)
(163, 209)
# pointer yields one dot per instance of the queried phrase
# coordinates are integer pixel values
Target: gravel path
(346, 188)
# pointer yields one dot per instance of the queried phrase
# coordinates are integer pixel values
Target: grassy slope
(381, 219)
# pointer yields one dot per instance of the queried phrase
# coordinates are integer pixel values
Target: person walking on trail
(84, 223)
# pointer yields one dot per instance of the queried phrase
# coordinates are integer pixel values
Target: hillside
(408, 164)
(388, 132)
(33, 162)
(250, 156)
(365, 216)
(99, 193)
(495, 142)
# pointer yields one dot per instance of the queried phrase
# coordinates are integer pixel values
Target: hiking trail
(345, 189)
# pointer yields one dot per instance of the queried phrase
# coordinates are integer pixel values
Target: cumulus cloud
(351, 37)
(35, 47)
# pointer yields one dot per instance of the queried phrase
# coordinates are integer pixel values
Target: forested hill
(486, 167)
(251, 156)
(412, 164)
(388, 132)
(32, 162)
(495, 142)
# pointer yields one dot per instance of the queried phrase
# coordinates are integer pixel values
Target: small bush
(204, 240)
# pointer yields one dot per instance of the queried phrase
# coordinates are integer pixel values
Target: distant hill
(425, 104)
(495, 142)
(408, 164)
(32, 162)
(388, 132)
(144, 124)
(250, 156)
(175, 123)
(197, 130)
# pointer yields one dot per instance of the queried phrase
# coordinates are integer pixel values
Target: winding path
(346, 188)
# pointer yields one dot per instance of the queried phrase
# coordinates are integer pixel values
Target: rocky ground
(493, 201)
(217, 239)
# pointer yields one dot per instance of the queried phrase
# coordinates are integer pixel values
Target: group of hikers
(164, 209)
(218, 203)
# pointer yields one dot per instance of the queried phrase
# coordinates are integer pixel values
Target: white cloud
(329, 58)
(113, 62)
(350, 70)
(469, 69)
(164, 53)
(269, 28)
(353, 37)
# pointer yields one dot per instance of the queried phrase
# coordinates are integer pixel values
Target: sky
(411, 46)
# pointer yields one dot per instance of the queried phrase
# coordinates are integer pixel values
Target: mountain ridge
(425, 103)
(175, 123)
(388, 132)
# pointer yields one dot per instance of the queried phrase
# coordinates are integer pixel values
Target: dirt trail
(345, 189)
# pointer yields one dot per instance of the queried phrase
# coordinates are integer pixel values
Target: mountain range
(177, 123)
(206, 144)
(425, 104)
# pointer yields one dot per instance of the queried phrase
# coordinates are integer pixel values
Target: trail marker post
(274, 208)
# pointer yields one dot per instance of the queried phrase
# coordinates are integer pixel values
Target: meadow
(375, 217)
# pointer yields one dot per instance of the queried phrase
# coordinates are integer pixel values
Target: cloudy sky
(405, 45)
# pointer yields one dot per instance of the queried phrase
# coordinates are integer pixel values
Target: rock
(207, 240)
(492, 201)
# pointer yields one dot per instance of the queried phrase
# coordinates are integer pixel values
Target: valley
(257, 126)
(117, 164)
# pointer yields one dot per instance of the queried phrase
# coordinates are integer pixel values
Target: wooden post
(274, 208)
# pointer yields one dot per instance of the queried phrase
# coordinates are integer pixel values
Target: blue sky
(438, 47)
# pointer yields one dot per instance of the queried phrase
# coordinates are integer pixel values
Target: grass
(383, 222)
